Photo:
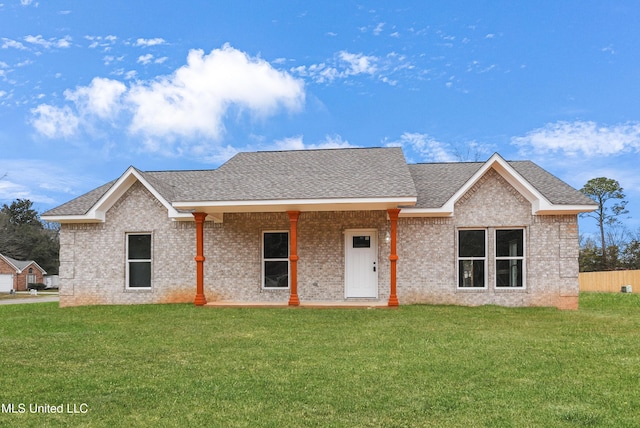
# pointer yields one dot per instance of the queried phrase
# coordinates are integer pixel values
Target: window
(361, 242)
(510, 258)
(471, 258)
(139, 260)
(275, 259)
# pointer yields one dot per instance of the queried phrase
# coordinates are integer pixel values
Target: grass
(178, 365)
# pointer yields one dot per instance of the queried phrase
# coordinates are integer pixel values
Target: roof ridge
(318, 149)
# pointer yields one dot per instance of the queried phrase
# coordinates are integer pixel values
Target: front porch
(327, 256)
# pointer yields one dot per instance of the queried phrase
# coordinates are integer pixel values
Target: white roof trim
(29, 263)
(10, 263)
(334, 204)
(97, 212)
(539, 204)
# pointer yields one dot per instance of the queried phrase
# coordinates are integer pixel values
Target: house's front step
(303, 304)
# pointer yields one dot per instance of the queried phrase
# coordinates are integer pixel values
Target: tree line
(23, 236)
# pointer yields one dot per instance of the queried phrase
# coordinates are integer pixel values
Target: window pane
(509, 273)
(361, 242)
(509, 243)
(276, 245)
(139, 274)
(471, 243)
(139, 247)
(471, 273)
(276, 274)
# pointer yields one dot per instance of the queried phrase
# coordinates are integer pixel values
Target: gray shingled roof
(82, 204)
(555, 190)
(19, 264)
(438, 182)
(327, 174)
(307, 174)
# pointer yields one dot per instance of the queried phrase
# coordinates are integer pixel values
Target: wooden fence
(609, 281)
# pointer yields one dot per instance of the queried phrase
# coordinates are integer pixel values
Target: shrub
(38, 286)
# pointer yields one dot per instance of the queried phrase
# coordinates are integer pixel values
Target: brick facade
(427, 247)
(93, 264)
(20, 280)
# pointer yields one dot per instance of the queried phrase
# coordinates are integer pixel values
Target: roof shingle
(326, 174)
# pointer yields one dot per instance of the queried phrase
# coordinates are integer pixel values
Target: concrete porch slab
(309, 304)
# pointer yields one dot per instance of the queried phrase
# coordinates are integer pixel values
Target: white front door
(361, 263)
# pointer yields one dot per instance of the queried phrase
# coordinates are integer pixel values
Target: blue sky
(89, 88)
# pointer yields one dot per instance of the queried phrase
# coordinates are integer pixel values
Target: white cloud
(145, 59)
(344, 65)
(297, 143)
(581, 138)
(358, 63)
(148, 58)
(608, 49)
(101, 98)
(378, 29)
(54, 122)
(425, 147)
(105, 42)
(192, 102)
(150, 42)
(64, 42)
(9, 43)
(194, 99)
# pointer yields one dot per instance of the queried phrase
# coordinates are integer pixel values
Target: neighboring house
(17, 274)
(335, 225)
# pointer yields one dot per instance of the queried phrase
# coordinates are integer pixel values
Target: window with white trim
(510, 258)
(275, 259)
(138, 260)
(472, 258)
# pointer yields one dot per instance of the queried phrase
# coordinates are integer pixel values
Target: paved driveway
(34, 299)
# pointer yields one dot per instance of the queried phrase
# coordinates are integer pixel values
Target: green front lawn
(179, 365)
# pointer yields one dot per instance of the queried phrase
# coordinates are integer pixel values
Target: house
(16, 275)
(333, 225)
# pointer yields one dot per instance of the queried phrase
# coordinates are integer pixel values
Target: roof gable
(20, 265)
(99, 201)
(546, 193)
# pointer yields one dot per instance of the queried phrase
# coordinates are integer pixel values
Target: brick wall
(233, 269)
(93, 265)
(92, 256)
(427, 269)
(20, 279)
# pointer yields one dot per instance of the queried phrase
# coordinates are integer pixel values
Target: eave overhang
(338, 204)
